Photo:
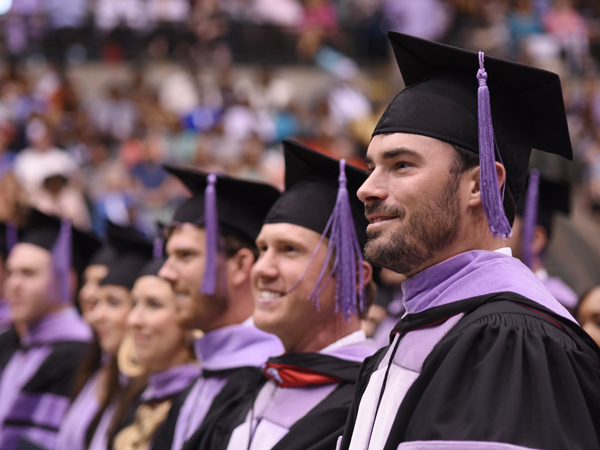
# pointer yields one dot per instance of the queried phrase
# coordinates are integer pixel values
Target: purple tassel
(157, 251)
(348, 256)
(488, 180)
(12, 235)
(61, 261)
(530, 217)
(211, 227)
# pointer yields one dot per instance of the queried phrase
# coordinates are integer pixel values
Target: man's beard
(427, 232)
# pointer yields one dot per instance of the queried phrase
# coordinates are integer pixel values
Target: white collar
(352, 338)
(505, 251)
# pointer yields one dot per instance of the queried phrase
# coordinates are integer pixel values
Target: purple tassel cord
(488, 181)
(211, 227)
(61, 262)
(157, 251)
(12, 235)
(348, 256)
(530, 217)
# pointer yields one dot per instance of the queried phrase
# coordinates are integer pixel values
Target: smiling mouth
(267, 295)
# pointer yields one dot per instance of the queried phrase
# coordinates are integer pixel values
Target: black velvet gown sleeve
(228, 410)
(322, 426)
(369, 366)
(507, 374)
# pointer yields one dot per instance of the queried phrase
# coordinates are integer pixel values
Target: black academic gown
(316, 430)
(510, 371)
(41, 398)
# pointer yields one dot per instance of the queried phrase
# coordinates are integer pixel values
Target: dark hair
(90, 365)
(370, 294)
(233, 244)
(113, 391)
(465, 160)
(128, 402)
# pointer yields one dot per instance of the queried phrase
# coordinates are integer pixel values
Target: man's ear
(473, 175)
(367, 270)
(239, 266)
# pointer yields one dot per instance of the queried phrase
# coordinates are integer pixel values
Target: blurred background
(96, 94)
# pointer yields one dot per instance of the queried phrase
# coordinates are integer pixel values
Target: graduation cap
(9, 236)
(133, 252)
(481, 104)
(544, 197)
(103, 256)
(320, 194)
(152, 267)
(69, 246)
(222, 205)
(158, 258)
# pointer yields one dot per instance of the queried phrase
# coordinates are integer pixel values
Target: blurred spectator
(428, 19)
(170, 35)
(65, 38)
(24, 26)
(256, 163)
(59, 197)
(41, 159)
(178, 93)
(121, 24)
(114, 116)
(568, 27)
(317, 27)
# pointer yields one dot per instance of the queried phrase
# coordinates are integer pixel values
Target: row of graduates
(280, 346)
(484, 357)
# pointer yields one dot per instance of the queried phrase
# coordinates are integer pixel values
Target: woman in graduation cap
(39, 362)
(100, 383)
(164, 352)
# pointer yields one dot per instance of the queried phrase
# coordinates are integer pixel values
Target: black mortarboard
(158, 258)
(9, 236)
(241, 205)
(44, 230)
(441, 101)
(311, 189)
(133, 252)
(103, 256)
(152, 267)
(320, 195)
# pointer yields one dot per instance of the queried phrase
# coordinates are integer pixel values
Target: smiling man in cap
(210, 252)
(485, 356)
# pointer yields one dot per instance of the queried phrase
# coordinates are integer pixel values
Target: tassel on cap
(12, 235)
(61, 261)
(211, 227)
(348, 256)
(530, 217)
(490, 191)
(157, 251)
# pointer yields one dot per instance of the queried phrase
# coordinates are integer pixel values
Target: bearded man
(485, 357)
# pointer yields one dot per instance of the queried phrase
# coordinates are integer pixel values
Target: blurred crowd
(94, 153)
